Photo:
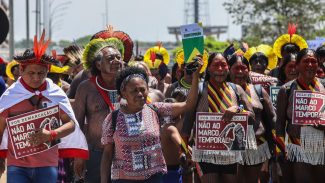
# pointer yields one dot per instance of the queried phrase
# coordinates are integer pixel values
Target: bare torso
(90, 109)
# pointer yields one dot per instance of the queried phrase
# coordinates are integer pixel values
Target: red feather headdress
(125, 38)
(38, 55)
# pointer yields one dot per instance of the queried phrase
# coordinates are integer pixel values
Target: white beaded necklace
(102, 87)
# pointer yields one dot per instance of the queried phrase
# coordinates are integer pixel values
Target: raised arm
(181, 107)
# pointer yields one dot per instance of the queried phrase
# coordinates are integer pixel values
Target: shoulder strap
(154, 108)
(114, 118)
(290, 87)
(234, 87)
(322, 81)
(258, 89)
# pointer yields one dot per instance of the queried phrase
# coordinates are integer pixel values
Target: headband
(129, 77)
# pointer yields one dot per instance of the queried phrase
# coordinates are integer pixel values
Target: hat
(290, 37)
(10, 65)
(94, 46)
(120, 36)
(74, 54)
(267, 51)
(156, 55)
(37, 55)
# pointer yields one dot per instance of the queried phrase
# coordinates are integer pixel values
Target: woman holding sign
(219, 96)
(264, 120)
(304, 151)
(131, 135)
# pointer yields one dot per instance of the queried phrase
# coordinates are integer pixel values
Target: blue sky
(144, 20)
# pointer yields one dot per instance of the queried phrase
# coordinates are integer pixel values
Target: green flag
(193, 42)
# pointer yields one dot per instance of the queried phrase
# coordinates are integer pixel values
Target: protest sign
(20, 127)
(193, 42)
(212, 133)
(274, 91)
(308, 108)
(264, 80)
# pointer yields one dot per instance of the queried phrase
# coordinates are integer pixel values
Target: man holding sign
(32, 110)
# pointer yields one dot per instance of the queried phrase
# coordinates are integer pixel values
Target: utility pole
(196, 11)
(36, 18)
(27, 24)
(11, 29)
(106, 12)
(46, 17)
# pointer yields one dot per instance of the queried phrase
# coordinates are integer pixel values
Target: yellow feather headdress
(10, 65)
(267, 51)
(290, 37)
(150, 57)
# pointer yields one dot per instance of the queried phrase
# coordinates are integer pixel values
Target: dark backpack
(268, 126)
(115, 113)
(234, 87)
(258, 89)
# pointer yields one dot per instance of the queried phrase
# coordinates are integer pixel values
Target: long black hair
(232, 60)
(210, 59)
(289, 48)
(320, 52)
(258, 56)
(288, 58)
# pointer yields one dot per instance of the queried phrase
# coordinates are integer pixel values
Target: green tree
(83, 40)
(213, 45)
(23, 43)
(265, 20)
(64, 43)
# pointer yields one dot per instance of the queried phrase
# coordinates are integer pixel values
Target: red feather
(45, 46)
(152, 56)
(54, 54)
(40, 46)
(292, 28)
(35, 45)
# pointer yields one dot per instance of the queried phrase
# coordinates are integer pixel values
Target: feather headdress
(38, 55)
(154, 56)
(267, 51)
(95, 45)
(290, 37)
(74, 54)
(120, 36)
(9, 67)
